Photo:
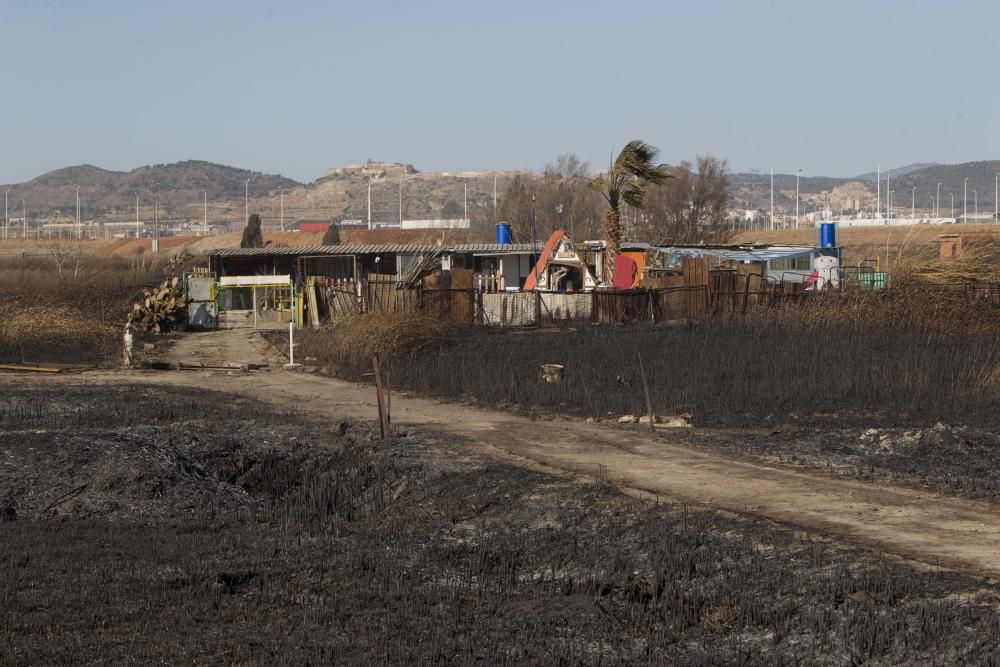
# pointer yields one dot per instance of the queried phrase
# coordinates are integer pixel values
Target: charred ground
(142, 525)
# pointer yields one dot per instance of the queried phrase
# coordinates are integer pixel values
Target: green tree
(626, 181)
(252, 235)
(332, 235)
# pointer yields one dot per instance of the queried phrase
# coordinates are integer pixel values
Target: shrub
(350, 342)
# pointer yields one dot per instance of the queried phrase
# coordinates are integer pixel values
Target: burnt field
(724, 372)
(146, 524)
(901, 387)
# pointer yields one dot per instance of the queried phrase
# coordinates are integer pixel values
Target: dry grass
(351, 342)
(978, 263)
(75, 317)
(952, 315)
(41, 333)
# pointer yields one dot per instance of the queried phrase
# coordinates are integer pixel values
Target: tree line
(689, 205)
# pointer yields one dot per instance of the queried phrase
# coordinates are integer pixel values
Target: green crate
(874, 280)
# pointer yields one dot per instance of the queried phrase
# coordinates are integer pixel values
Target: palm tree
(627, 180)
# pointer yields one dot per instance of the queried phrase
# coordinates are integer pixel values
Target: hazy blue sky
(295, 87)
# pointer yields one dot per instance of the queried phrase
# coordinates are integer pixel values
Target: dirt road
(917, 525)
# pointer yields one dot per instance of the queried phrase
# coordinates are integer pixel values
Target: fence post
(383, 413)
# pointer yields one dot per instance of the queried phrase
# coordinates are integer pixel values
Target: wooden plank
(313, 303)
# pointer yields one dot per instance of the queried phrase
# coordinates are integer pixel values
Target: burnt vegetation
(138, 525)
(873, 359)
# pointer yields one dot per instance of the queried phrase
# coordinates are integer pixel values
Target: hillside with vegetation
(179, 186)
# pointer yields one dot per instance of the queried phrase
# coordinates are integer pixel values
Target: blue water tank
(827, 235)
(503, 233)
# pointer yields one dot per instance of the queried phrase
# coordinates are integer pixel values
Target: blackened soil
(952, 459)
(144, 525)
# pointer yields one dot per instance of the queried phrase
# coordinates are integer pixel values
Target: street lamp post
(937, 202)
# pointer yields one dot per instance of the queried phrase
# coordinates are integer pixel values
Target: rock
(628, 419)
(149, 347)
(944, 437)
(677, 422)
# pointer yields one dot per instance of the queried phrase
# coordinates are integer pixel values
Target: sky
(295, 87)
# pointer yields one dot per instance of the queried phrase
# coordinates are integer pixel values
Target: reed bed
(887, 357)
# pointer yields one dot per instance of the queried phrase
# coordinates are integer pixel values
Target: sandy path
(919, 525)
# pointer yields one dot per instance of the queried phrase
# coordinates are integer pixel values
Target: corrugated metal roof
(732, 253)
(376, 249)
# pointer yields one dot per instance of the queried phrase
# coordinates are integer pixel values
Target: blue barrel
(827, 235)
(503, 233)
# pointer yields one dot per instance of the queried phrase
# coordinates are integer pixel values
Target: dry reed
(351, 342)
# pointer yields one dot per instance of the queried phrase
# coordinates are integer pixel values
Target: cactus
(162, 308)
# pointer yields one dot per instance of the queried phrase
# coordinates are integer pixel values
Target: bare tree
(560, 197)
(689, 208)
(66, 256)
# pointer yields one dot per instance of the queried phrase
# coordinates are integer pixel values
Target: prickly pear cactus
(161, 309)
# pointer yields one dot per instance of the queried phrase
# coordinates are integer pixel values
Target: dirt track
(922, 526)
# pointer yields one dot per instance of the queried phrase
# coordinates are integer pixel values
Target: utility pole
(246, 202)
(878, 188)
(24, 220)
(965, 202)
(888, 190)
(138, 230)
(797, 174)
(495, 220)
(952, 205)
(466, 214)
(205, 223)
(401, 202)
(772, 199)
(975, 196)
(937, 202)
(156, 211)
(913, 204)
(369, 202)
(281, 208)
(79, 229)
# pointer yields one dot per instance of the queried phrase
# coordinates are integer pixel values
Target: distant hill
(897, 171)
(982, 181)
(180, 187)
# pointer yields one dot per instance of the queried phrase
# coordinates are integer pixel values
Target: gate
(199, 293)
(255, 302)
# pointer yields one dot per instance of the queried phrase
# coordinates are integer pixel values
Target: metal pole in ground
(291, 343)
